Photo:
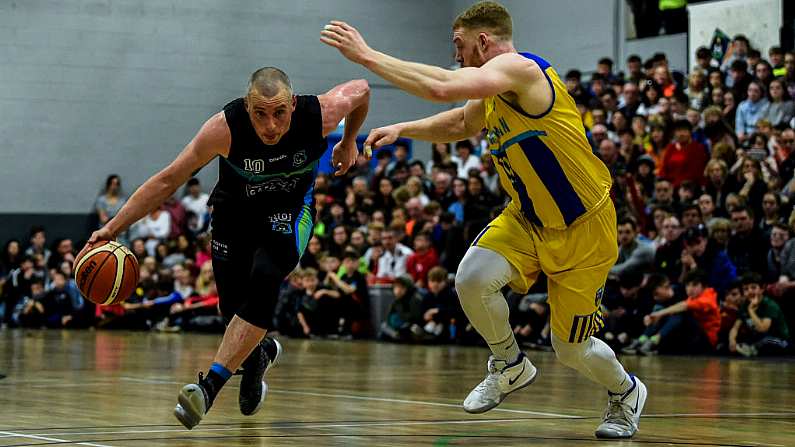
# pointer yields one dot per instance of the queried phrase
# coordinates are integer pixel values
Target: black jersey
(255, 175)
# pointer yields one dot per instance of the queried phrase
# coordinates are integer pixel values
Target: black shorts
(252, 255)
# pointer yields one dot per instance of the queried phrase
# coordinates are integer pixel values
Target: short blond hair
(491, 16)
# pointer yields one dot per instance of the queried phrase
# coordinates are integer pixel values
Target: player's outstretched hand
(343, 158)
(346, 39)
(381, 137)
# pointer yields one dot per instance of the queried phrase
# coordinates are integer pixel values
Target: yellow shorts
(576, 260)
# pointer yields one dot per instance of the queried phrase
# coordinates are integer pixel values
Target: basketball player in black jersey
(270, 143)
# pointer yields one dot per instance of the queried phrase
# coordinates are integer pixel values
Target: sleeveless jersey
(545, 162)
(255, 176)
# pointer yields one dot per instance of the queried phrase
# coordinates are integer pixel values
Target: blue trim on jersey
(548, 169)
(480, 235)
(525, 203)
(529, 134)
(543, 65)
(537, 59)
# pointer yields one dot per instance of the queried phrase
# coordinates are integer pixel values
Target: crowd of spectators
(702, 166)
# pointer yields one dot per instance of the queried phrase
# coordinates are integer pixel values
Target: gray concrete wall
(92, 87)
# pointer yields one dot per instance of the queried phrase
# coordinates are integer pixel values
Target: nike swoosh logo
(512, 381)
(637, 400)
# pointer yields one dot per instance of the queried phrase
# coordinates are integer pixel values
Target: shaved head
(269, 82)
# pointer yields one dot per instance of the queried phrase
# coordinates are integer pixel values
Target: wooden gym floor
(87, 388)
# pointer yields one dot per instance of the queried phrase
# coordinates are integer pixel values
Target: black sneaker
(253, 389)
(194, 402)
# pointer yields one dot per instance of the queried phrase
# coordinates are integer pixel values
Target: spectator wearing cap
(634, 255)
(747, 246)
(751, 110)
(684, 158)
(702, 253)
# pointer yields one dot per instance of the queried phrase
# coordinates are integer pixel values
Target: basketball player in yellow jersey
(560, 219)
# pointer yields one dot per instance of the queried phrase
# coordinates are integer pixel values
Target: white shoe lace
(618, 412)
(491, 379)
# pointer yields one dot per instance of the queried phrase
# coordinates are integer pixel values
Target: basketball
(107, 273)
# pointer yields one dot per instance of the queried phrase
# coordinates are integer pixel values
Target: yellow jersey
(545, 162)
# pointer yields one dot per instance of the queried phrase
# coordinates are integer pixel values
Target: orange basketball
(107, 273)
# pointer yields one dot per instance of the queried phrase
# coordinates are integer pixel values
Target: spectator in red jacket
(422, 261)
(684, 158)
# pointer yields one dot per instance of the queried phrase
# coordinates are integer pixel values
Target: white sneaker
(622, 416)
(502, 380)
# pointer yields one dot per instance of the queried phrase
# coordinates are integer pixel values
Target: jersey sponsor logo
(276, 184)
(256, 165)
(496, 132)
(281, 222)
(280, 157)
(299, 158)
(583, 326)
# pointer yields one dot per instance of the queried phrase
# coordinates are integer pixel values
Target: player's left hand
(343, 157)
(347, 40)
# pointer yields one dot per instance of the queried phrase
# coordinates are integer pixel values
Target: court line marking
(44, 438)
(373, 399)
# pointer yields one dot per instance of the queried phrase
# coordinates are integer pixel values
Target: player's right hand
(381, 137)
(103, 234)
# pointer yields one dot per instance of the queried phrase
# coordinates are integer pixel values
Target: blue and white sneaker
(502, 380)
(622, 416)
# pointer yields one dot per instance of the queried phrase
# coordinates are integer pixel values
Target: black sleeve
(308, 111)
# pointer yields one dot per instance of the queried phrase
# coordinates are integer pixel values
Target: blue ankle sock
(221, 371)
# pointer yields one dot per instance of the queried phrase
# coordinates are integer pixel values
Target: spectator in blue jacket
(702, 253)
